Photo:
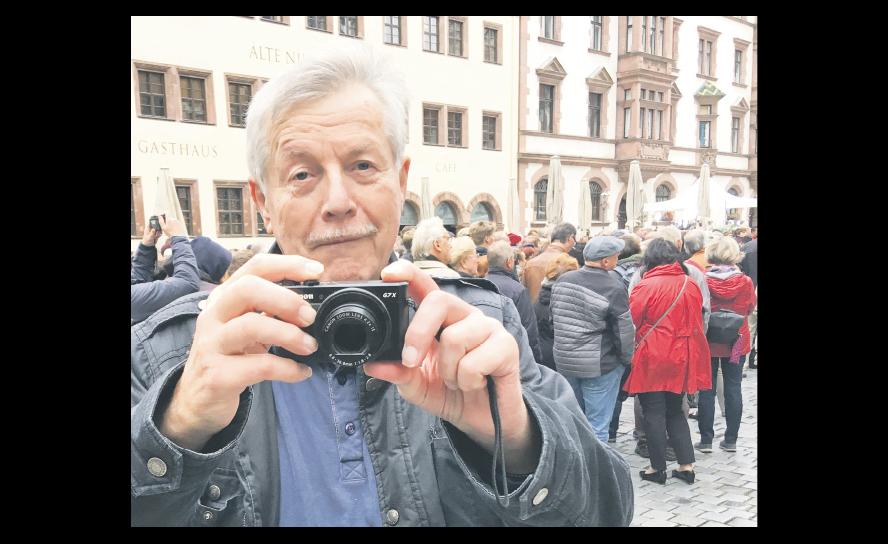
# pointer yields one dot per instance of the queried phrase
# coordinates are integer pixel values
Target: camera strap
(499, 454)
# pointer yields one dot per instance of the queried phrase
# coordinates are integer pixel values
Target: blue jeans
(596, 397)
(732, 374)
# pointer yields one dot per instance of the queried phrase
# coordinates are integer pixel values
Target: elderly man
(501, 257)
(594, 333)
(226, 431)
(564, 236)
(431, 248)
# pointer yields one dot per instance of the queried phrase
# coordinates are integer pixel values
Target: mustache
(334, 236)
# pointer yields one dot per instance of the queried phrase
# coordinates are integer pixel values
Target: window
(595, 191)
(230, 206)
(151, 94)
(658, 125)
(628, 32)
(659, 96)
(663, 36)
(488, 132)
(652, 96)
(700, 57)
(455, 38)
(708, 64)
(454, 128)
(430, 34)
(490, 44)
(649, 125)
(348, 25)
(547, 98)
(273, 18)
(481, 212)
(735, 135)
(738, 63)
(446, 212)
(239, 95)
(539, 199)
(392, 29)
(644, 26)
(549, 26)
(260, 225)
(132, 210)
(194, 103)
(183, 193)
(704, 133)
(317, 22)
(430, 126)
(705, 109)
(627, 94)
(596, 32)
(663, 193)
(409, 215)
(653, 49)
(595, 115)
(627, 117)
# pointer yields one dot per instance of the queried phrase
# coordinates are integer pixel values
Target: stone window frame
(498, 138)
(255, 84)
(172, 90)
(708, 35)
(659, 34)
(465, 35)
(601, 82)
(359, 29)
(463, 129)
(285, 20)
(194, 189)
(462, 218)
(499, 40)
(328, 27)
(675, 96)
(492, 205)
(442, 37)
(605, 35)
(556, 30)
(743, 47)
(740, 110)
(712, 117)
(443, 121)
(402, 31)
(139, 205)
(534, 217)
(645, 103)
(553, 74)
(248, 212)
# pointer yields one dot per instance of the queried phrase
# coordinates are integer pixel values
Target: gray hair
(320, 76)
(427, 231)
(725, 250)
(460, 248)
(669, 233)
(695, 240)
(498, 253)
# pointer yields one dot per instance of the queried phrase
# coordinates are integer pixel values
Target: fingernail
(307, 314)
(310, 343)
(314, 267)
(409, 356)
(309, 373)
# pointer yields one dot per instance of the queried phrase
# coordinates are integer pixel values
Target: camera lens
(353, 326)
(350, 338)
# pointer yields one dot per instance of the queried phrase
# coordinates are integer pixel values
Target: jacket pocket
(222, 502)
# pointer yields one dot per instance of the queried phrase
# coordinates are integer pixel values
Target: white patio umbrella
(585, 211)
(635, 196)
(514, 210)
(704, 199)
(555, 193)
(426, 203)
(165, 199)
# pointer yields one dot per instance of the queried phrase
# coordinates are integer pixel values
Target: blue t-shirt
(326, 474)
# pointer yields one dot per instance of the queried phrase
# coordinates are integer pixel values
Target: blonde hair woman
(464, 257)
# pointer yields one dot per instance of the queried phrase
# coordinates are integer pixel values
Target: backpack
(724, 326)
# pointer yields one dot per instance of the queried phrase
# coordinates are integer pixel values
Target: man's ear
(402, 176)
(259, 199)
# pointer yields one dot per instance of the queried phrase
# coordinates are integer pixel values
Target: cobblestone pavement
(725, 493)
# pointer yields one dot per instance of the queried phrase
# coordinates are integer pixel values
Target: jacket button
(157, 467)
(392, 517)
(215, 492)
(540, 496)
(373, 384)
(350, 428)
(208, 516)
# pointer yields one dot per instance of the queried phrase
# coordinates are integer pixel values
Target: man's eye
(363, 165)
(301, 176)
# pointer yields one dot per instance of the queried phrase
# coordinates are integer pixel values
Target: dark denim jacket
(428, 473)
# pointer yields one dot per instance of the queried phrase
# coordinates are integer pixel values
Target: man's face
(334, 192)
(441, 249)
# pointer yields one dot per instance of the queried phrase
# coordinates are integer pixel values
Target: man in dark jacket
(594, 333)
(238, 418)
(147, 296)
(501, 258)
(213, 261)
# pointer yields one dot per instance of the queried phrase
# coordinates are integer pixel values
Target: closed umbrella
(514, 211)
(426, 211)
(555, 193)
(704, 200)
(165, 199)
(585, 212)
(635, 196)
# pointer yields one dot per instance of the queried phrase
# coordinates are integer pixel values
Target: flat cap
(600, 247)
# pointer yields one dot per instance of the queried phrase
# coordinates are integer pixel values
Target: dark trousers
(732, 374)
(663, 416)
(618, 406)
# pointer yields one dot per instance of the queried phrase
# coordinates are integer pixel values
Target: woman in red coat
(729, 289)
(671, 356)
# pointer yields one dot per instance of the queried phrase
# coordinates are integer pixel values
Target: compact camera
(154, 222)
(357, 322)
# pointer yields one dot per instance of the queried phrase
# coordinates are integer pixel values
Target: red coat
(675, 356)
(736, 293)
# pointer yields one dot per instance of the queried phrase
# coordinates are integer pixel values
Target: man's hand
(150, 236)
(231, 341)
(173, 227)
(449, 378)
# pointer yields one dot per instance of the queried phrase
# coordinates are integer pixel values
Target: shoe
(670, 454)
(752, 363)
(692, 415)
(612, 440)
(642, 450)
(728, 446)
(702, 447)
(753, 366)
(659, 476)
(744, 374)
(686, 476)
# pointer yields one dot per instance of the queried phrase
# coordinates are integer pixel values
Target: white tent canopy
(685, 204)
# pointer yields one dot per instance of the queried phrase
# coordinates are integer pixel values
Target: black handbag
(724, 327)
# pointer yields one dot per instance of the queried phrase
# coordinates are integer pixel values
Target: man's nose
(339, 203)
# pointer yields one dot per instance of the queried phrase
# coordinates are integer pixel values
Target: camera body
(154, 223)
(357, 322)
